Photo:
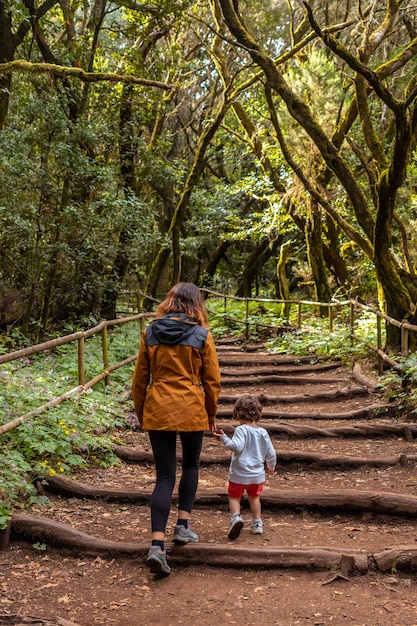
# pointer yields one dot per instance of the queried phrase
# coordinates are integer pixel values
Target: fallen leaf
(64, 599)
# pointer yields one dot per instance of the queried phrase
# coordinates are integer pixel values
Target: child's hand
(271, 472)
(218, 433)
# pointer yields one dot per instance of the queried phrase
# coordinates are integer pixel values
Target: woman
(176, 385)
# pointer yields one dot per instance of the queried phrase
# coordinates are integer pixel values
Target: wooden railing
(80, 337)
(331, 307)
(103, 327)
(404, 327)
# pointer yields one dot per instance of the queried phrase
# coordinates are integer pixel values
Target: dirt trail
(340, 538)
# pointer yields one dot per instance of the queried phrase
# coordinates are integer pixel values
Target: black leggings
(164, 447)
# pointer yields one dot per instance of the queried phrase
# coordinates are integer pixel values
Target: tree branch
(75, 72)
(363, 244)
(301, 112)
(354, 63)
(137, 6)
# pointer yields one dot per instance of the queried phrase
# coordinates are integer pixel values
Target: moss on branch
(77, 72)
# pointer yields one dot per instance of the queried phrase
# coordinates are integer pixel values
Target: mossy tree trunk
(216, 257)
(373, 206)
(120, 262)
(314, 241)
(334, 261)
(284, 288)
(178, 217)
(253, 264)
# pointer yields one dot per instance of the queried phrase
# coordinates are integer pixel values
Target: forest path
(343, 502)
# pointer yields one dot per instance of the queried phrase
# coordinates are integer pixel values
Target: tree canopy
(255, 147)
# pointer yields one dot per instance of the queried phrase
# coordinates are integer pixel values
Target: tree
(382, 167)
(62, 161)
(145, 143)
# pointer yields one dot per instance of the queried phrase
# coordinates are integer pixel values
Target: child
(251, 448)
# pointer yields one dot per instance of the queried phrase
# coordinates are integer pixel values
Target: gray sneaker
(184, 535)
(236, 526)
(257, 528)
(157, 561)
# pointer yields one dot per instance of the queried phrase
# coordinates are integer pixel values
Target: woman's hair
(184, 298)
(247, 408)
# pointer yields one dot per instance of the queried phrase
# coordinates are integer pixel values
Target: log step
(43, 530)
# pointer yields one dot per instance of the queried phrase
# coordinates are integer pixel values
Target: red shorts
(236, 490)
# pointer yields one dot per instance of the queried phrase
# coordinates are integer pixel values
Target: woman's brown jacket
(176, 383)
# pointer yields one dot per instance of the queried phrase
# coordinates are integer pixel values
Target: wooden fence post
(404, 339)
(5, 536)
(379, 344)
(105, 345)
(331, 318)
(81, 360)
(351, 320)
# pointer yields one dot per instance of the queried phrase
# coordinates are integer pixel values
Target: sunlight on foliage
(314, 336)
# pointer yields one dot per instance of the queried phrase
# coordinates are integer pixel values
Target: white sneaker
(236, 526)
(257, 528)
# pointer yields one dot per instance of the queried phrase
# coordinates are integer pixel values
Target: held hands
(218, 433)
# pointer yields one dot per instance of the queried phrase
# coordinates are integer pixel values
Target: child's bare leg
(234, 505)
(255, 506)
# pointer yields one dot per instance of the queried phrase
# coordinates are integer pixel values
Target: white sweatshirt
(251, 448)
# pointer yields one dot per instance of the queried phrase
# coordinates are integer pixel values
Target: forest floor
(46, 584)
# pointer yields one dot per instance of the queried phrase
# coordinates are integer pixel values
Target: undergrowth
(284, 336)
(315, 339)
(73, 435)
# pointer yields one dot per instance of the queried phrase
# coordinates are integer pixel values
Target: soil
(45, 584)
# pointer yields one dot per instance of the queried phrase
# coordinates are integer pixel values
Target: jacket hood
(173, 328)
